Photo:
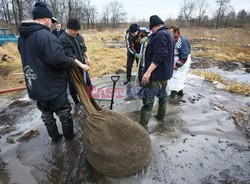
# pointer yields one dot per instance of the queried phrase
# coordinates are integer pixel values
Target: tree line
(195, 12)
(15, 11)
(191, 13)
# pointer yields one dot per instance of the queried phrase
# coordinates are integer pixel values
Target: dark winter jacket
(160, 51)
(74, 47)
(133, 43)
(43, 60)
(57, 33)
(183, 49)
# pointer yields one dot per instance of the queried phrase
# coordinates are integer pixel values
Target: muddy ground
(204, 139)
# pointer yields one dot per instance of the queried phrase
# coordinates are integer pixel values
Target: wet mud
(203, 139)
(206, 63)
(10, 114)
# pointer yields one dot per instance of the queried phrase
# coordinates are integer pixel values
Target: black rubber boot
(173, 94)
(180, 93)
(161, 113)
(127, 81)
(144, 118)
(53, 133)
(67, 127)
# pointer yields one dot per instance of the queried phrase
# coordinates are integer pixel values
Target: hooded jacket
(160, 51)
(43, 60)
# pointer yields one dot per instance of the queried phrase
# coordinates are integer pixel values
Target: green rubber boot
(144, 118)
(161, 113)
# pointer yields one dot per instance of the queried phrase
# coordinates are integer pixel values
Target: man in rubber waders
(44, 64)
(159, 60)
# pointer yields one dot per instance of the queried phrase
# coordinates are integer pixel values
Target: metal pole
(139, 63)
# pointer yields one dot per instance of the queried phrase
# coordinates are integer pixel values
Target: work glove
(138, 56)
(143, 40)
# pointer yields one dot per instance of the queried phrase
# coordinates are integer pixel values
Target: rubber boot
(68, 129)
(53, 133)
(127, 81)
(161, 113)
(144, 118)
(180, 93)
(173, 94)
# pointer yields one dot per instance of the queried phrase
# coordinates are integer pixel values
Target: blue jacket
(43, 60)
(160, 51)
(183, 49)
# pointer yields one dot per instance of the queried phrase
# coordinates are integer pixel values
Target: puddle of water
(195, 144)
(236, 75)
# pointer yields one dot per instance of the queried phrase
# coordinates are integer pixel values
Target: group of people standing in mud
(166, 63)
(48, 56)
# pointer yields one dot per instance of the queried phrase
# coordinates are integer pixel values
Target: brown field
(221, 44)
(108, 53)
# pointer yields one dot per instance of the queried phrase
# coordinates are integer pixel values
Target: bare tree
(242, 17)
(90, 13)
(222, 5)
(5, 8)
(229, 16)
(93, 16)
(188, 7)
(105, 15)
(117, 13)
(202, 7)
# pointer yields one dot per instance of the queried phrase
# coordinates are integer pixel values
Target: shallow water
(197, 143)
(235, 75)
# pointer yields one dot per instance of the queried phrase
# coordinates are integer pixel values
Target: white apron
(177, 82)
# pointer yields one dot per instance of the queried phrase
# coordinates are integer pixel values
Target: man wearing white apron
(182, 61)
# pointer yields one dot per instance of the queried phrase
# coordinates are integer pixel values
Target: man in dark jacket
(159, 60)
(44, 64)
(135, 37)
(58, 31)
(74, 47)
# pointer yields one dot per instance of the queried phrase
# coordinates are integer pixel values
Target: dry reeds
(221, 45)
(231, 86)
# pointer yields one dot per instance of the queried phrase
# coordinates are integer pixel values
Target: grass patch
(10, 67)
(231, 86)
(222, 45)
(105, 60)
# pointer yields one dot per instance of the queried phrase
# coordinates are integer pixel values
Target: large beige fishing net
(115, 145)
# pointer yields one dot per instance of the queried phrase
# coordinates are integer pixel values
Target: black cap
(41, 11)
(73, 24)
(133, 28)
(154, 21)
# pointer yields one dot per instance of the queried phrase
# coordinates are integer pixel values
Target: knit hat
(73, 24)
(41, 11)
(133, 28)
(154, 21)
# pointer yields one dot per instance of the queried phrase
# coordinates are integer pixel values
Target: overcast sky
(143, 9)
